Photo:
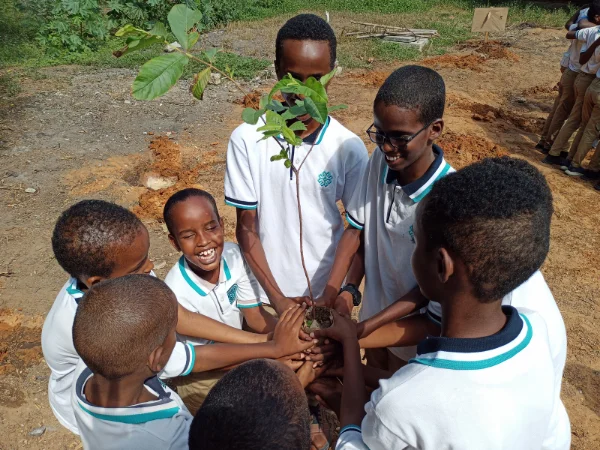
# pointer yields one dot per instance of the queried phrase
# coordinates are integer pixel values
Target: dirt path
(79, 134)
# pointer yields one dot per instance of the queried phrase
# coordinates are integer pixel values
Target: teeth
(210, 252)
(390, 158)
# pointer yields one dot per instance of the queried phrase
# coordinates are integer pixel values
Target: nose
(202, 240)
(386, 147)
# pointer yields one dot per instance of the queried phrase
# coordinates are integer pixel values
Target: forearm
(405, 305)
(585, 56)
(356, 272)
(218, 356)
(354, 393)
(344, 256)
(259, 320)
(203, 327)
(401, 333)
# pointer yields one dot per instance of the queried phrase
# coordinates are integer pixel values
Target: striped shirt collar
(479, 353)
(163, 407)
(74, 289)
(199, 285)
(418, 189)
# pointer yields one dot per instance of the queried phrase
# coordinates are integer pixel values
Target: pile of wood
(408, 36)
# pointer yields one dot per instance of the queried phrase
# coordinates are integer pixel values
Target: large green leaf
(138, 44)
(159, 30)
(290, 136)
(192, 39)
(200, 82)
(297, 126)
(316, 86)
(287, 80)
(251, 115)
(210, 54)
(317, 111)
(130, 30)
(182, 19)
(325, 79)
(158, 75)
(274, 119)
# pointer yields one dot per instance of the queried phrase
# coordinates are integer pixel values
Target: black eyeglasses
(396, 142)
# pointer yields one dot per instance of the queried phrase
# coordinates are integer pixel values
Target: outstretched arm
(401, 333)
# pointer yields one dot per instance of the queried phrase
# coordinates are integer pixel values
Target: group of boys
(465, 345)
(576, 109)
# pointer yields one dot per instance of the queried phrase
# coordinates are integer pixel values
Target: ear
(445, 265)
(221, 223)
(436, 129)
(154, 363)
(174, 243)
(90, 281)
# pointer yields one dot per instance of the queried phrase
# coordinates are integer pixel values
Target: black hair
(495, 216)
(415, 88)
(119, 322)
(268, 412)
(87, 234)
(594, 10)
(306, 27)
(182, 196)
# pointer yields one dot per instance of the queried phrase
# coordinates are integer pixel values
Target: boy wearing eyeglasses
(407, 113)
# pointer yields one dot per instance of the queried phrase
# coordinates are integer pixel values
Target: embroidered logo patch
(232, 293)
(411, 234)
(325, 179)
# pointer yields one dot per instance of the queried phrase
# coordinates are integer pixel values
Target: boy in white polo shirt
(408, 113)
(560, 148)
(488, 381)
(565, 99)
(264, 192)
(94, 240)
(124, 331)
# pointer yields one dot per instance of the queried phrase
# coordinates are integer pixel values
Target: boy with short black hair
(408, 117)
(331, 158)
(95, 240)
(266, 402)
(124, 331)
(480, 233)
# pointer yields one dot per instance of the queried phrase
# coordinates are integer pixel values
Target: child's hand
(323, 351)
(343, 329)
(286, 333)
(308, 373)
(294, 362)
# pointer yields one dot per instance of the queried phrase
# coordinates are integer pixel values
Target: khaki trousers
(561, 144)
(562, 105)
(194, 388)
(590, 127)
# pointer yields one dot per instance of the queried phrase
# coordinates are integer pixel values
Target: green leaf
(290, 136)
(251, 115)
(316, 111)
(182, 19)
(287, 163)
(210, 54)
(274, 118)
(336, 107)
(288, 115)
(297, 126)
(298, 109)
(316, 86)
(158, 75)
(286, 81)
(270, 134)
(276, 105)
(277, 157)
(129, 30)
(263, 102)
(200, 82)
(269, 128)
(325, 79)
(192, 39)
(137, 44)
(159, 30)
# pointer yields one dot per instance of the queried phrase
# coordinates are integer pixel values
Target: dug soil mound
(479, 53)
(20, 345)
(372, 78)
(463, 149)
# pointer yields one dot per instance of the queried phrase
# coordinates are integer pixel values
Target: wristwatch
(353, 290)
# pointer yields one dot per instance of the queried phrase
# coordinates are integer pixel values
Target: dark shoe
(590, 175)
(597, 186)
(576, 171)
(559, 160)
(567, 164)
(541, 144)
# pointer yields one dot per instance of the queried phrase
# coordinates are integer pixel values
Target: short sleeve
(350, 438)
(239, 186)
(181, 362)
(248, 291)
(355, 209)
(376, 436)
(357, 159)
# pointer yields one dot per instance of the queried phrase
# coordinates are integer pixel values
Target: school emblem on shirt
(411, 233)
(232, 293)
(325, 179)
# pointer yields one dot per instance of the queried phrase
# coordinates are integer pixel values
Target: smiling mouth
(207, 256)
(391, 158)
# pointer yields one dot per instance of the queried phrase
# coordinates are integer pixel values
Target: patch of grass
(243, 67)
(9, 85)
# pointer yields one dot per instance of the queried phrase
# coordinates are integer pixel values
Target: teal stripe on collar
(73, 291)
(422, 195)
(478, 365)
(320, 138)
(187, 278)
(134, 418)
(226, 270)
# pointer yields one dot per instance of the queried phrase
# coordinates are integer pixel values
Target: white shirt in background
(576, 44)
(330, 173)
(587, 37)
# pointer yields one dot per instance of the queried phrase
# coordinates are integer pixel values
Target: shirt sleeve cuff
(240, 203)
(355, 223)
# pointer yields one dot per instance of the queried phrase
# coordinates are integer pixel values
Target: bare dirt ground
(79, 134)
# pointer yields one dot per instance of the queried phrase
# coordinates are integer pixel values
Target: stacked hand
(287, 330)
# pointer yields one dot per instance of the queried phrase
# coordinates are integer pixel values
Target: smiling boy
(407, 111)
(264, 192)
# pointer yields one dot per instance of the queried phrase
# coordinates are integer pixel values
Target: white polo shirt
(385, 211)
(160, 424)
(61, 357)
(237, 289)
(576, 44)
(490, 393)
(587, 37)
(330, 173)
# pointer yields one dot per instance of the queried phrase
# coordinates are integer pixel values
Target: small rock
(490, 115)
(171, 47)
(168, 133)
(127, 102)
(30, 190)
(215, 78)
(155, 181)
(36, 432)
(41, 377)
(160, 265)
(520, 100)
